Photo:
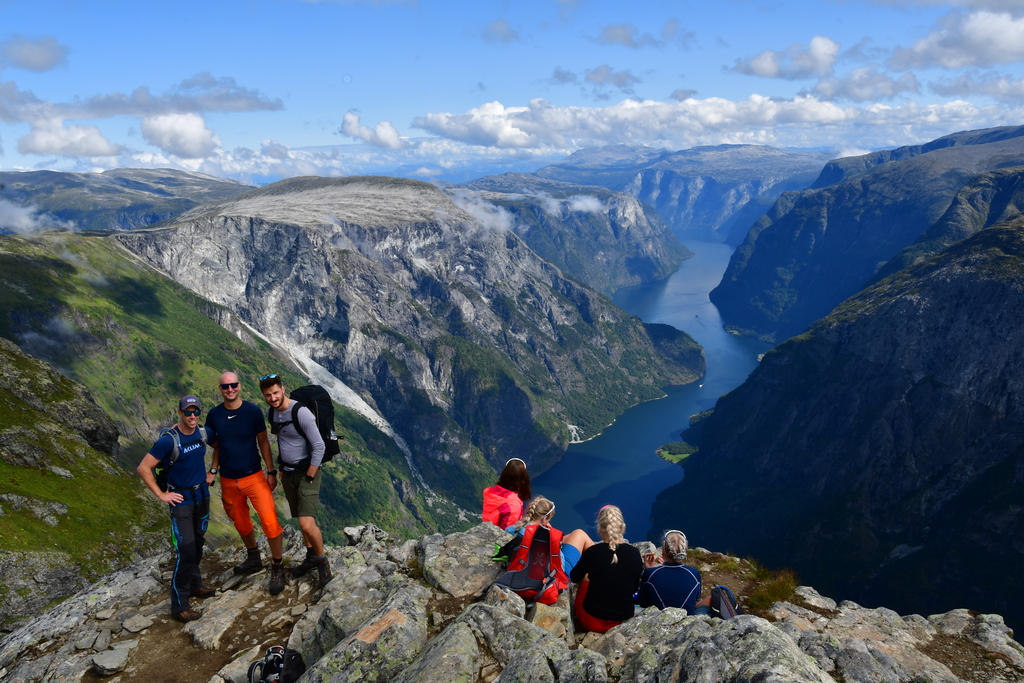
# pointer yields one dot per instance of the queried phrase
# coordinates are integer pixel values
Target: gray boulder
(460, 564)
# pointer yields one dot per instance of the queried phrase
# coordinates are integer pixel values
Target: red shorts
(254, 488)
(588, 622)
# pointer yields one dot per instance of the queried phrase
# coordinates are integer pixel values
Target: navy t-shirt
(670, 585)
(190, 467)
(236, 432)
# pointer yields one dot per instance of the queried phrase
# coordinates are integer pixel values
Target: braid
(611, 526)
(675, 546)
(539, 508)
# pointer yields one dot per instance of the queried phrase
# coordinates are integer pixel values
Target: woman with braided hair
(540, 511)
(666, 581)
(608, 574)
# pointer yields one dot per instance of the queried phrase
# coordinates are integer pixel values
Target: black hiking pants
(189, 520)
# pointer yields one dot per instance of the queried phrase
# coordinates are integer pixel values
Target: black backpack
(319, 402)
(723, 603)
(279, 665)
(160, 472)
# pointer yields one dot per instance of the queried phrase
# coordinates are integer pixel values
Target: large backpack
(279, 665)
(161, 472)
(723, 603)
(319, 402)
(535, 570)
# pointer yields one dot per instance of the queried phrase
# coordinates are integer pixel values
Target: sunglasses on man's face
(267, 377)
(229, 385)
(191, 413)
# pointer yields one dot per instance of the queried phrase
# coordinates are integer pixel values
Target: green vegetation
(676, 451)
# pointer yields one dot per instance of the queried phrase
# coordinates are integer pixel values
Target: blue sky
(263, 89)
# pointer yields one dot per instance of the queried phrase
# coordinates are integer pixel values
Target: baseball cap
(189, 401)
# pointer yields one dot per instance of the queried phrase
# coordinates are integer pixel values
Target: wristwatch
(213, 470)
(271, 473)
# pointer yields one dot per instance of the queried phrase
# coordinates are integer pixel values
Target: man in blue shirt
(241, 441)
(188, 496)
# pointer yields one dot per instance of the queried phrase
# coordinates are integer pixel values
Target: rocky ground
(425, 610)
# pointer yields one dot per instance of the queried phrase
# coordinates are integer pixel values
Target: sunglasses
(229, 385)
(191, 413)
(672, 531)
(267, 377)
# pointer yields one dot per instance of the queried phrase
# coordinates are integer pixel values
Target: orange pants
(254, 488)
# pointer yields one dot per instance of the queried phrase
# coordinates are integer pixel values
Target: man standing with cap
(241, 441)
(182, 451)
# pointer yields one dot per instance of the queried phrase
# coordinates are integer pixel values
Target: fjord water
(620, 466)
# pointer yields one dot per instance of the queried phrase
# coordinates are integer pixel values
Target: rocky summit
(426, 610)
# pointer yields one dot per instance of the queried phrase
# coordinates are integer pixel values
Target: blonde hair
(674, 546)
(611, 526)
(539, 508)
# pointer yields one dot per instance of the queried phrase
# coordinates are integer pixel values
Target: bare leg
(276, 546)
(311, 533)
(249, 540)
(578, 539)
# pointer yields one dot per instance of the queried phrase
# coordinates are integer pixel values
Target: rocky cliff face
(881, 454)
(703, 193)
(425, 611)
(120, 199)
(817, 247)
(609, 240)
(57, 478)
(464, 340)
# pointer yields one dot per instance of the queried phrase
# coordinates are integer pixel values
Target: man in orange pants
(241, 440)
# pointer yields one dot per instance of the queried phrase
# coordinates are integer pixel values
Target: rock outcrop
(387, 616)
(817, 247)
(881, 454)
(466, 342)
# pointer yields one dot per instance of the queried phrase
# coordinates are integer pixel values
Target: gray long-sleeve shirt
(290, 442)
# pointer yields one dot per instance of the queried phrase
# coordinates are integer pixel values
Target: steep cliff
(703, 193)
(817, 247)
(881, 453)
(609, 240)
(120, 199)
(467, 342)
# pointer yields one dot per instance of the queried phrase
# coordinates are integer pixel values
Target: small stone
(105, 614)
(298, 610)
(110, 662)
(86, 642)
(232, 582)
(103, 641)
(137, 623)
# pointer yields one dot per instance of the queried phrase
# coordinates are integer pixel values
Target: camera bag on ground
(279, 665)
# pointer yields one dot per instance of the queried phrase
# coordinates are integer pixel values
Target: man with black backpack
(181, 452)
(300, 453)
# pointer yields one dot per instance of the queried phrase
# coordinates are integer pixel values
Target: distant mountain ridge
(817, 247)
(704, 193)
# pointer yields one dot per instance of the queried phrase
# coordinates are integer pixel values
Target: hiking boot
(186, 616)
(203, 592)
(303, 569)
(276, 577)
(323, 568)
(252, 564)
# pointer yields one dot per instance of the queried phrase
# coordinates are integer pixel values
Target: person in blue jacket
(666, 581)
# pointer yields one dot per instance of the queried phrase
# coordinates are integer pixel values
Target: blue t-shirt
(190, 468)
(670, 585)
(236, 430)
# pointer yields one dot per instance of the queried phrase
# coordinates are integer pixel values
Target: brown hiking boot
(203, 592)
(251, 565)
(187, 615)
(276, 577)
(323, 568)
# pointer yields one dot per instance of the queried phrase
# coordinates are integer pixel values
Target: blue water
(620, 467)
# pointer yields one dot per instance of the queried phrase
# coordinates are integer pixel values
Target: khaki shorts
(303, 497)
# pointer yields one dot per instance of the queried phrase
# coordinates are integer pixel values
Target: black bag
(279, 665)
(723, 603)
(319, 402)
(161, 472)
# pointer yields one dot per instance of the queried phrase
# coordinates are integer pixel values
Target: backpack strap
(276, 427)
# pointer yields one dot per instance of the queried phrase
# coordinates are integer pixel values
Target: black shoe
(276, 577)
(187, 615)
(323, 568)
(252, 564)
(303, 569)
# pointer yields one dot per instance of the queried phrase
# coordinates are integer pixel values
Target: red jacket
(501, 506)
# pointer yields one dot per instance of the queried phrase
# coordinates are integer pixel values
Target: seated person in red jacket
(608, 574)
(503, 502)
(540, 511)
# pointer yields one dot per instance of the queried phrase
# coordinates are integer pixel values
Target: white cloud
(38, 54)
(489, 215)
(586, 203)
(53, 137)
(796, 62)
(183, 135)
(606, 75)
(28, 219)
(384, 134)
(999, 87)
(500, 31)
(274, 150)
(865, 84)
(964, 40)
(629, 35)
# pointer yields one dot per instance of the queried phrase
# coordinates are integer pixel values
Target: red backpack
(535, 570)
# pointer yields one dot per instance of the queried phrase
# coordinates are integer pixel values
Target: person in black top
(608, 574)
(666, 581)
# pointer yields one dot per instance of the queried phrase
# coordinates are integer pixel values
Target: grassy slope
(138, 341)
